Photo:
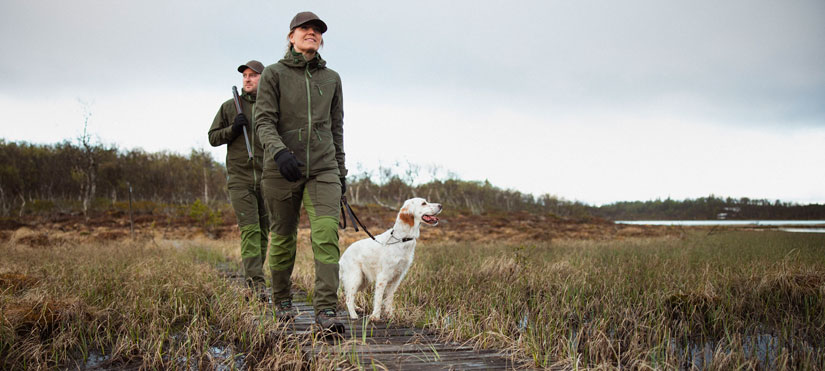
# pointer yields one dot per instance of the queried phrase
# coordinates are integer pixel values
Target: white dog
(386, 259)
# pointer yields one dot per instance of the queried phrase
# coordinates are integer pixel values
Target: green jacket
(241, 171)
(300, 108)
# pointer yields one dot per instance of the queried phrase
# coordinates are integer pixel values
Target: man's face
(250, 81)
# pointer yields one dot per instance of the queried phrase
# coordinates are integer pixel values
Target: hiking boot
(326, 319)
(284, 311)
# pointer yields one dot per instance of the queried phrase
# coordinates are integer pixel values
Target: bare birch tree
(88, 164)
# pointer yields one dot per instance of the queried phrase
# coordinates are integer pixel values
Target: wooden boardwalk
(386, 345)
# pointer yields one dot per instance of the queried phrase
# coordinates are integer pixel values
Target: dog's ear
(407, 217)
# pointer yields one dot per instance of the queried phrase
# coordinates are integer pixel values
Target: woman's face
(306, 38)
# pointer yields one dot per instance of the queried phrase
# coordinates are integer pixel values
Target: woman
(299, 115)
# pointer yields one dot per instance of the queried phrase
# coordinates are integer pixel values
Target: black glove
(288, 165)
(343, 185)
(240, 122)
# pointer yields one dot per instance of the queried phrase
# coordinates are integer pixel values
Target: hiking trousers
(321, 197)
(253, 222)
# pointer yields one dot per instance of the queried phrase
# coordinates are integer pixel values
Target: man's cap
(307, 17)
(253, 64)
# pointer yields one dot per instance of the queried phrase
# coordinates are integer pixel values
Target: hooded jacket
(300, 109)
(241, 171)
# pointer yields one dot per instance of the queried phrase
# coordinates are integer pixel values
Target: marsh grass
(728, 300)
(158, 305)
(751, 300)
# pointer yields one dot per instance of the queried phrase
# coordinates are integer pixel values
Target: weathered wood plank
(435, 348)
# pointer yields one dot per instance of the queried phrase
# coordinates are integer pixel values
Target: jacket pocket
(323, 149)
(324, 88)
(321, 126)
(328, 178)
(295, 141)
(293, 137)
(326, 194)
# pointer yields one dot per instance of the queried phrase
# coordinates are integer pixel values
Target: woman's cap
(306, 17)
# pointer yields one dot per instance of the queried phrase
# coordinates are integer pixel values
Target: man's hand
(288, 165)
(343, 185)
(240, 122)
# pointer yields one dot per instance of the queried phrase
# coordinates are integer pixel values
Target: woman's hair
(289, 43)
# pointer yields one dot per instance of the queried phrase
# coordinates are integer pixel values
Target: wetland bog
(561, 294)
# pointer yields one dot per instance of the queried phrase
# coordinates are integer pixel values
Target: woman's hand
(288, 165)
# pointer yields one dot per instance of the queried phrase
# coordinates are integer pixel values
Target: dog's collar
(405, 239)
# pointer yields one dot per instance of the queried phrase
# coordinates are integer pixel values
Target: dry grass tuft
(16, 282)
(30, 238)
(793, 286)
(38, 318)
(497, 268)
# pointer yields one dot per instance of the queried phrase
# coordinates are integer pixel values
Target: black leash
(346, 209)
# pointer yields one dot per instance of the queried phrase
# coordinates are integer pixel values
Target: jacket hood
(295, 59)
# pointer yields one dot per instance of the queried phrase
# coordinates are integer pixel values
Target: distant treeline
(80, 176)
(710, 207)
(460, 195)
(36, 178)
(60, 177)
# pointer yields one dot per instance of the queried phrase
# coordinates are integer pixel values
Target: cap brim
(317, 21)
(243, 67)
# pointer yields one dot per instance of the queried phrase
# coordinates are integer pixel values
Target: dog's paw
(375, 318)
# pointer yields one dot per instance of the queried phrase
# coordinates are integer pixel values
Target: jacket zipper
(307, 76)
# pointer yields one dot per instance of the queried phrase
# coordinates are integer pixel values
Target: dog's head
(417, 210)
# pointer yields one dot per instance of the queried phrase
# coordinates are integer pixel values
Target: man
(244, 174)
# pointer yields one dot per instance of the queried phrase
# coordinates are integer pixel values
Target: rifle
(238, 107)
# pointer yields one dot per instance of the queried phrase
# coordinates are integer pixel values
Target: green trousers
(253, 222)
(321, 197)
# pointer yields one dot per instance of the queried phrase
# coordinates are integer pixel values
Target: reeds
(751, 300)
(729, 300)
(145, 305)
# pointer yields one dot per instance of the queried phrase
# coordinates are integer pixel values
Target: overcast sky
(596, 101)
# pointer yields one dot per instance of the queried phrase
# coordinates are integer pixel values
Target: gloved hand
(288, 165)
(343, 185)
(240, 122)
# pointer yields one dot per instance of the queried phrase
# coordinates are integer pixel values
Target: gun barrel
(238, 107)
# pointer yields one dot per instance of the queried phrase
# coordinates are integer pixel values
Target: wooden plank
(441, 356)
(421, 364)
(385, 334)
(435, 349)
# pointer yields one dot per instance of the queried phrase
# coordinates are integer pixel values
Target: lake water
(782, 225)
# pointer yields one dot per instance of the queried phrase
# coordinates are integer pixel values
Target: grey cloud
(749, 61)
(93, 45)
(752, 60)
